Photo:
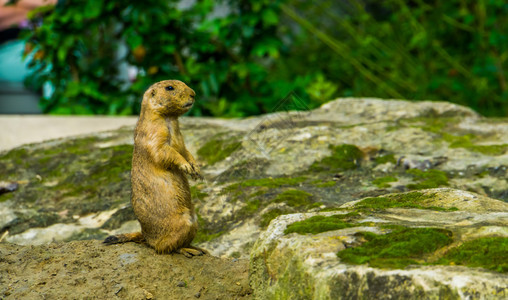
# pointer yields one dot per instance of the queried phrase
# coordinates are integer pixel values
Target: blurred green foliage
(242, 57)
(452, 50)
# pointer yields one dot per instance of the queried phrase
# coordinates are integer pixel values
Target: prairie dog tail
(136, 237)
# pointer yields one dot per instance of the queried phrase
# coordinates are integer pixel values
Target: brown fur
(161, 196)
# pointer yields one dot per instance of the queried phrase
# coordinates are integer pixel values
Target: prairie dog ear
(155, 101)
(151, 92)
(150, 97)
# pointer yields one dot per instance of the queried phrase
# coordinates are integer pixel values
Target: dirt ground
(88, 269)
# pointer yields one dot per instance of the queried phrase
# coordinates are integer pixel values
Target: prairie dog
(161, 196)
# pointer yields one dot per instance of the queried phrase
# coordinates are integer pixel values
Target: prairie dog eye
(169, 88)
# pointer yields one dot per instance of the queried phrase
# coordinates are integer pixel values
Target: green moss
(259, 193)
(332, 209)
(119, 162)
(294, 198)
(252, 206)
(218, 149)
(264, 182)
(487, 252)
(382, 182)
(458, 141)
(250, 168)
(295, 282)
(48, 162)
(325, 184)
(437, 125)
(204, 234)
(273, 182)
(406, 200)
(482, 174)
(112, 169)
(397, 249)
(344, 157)
(197, 193)
(6, 196)
(315, 205)
(318, 224)
(81, 145)
(432, 124)
(291, 280)
(75, 146)
(428, 179)
(75, 175)
(69, 189)
(383, 159)
(466, 142)
(269, 216)
(18, 156)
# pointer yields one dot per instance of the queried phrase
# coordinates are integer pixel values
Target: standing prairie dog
(161, 196)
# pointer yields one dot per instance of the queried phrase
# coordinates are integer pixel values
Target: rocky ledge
(430, 244)
(294, 165)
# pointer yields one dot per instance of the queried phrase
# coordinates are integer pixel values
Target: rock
(378, 172)
(7, 213)
(89, 269)
(257, 169)
(7, 187)
(406, 246)
(148, 295)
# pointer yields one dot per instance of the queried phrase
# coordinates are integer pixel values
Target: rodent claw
(192, 171)
(196, 176)
(197, 173)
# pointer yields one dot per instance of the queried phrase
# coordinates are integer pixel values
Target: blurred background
(242, 57)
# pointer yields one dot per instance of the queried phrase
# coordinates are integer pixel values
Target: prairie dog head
(168, 98)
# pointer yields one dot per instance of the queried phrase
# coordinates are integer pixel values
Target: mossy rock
(252, 168)
(467, 142)
(487, 252)
(383, 182)
(294, 198)
(326, 184)
(318, 224)
(403, 200)
(218, 149)
(428, 179)
(386, 158)
(267, 217)
(206, 230)
(343, 157)
(397, 249)
(266, 182)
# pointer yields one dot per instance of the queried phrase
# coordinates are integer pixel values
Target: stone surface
(254, 161)
(282, 163)
(295, 266)
(290, 165)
